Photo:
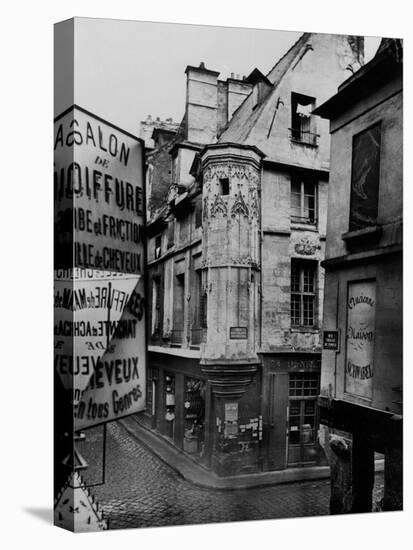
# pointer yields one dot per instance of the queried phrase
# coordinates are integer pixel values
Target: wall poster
(361, 309)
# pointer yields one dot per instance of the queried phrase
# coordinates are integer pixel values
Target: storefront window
(194, 416)
(151, 390)
(170, 405)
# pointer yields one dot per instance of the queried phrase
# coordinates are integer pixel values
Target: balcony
(304, 137)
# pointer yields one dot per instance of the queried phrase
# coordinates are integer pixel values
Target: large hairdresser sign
(361, 309)
(99, 328)
(98, 189)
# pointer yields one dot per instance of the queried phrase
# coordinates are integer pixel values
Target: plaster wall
(316, 72)
(389, 113)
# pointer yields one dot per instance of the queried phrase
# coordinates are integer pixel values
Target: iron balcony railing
(305, 137)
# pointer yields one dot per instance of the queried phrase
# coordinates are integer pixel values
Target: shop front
(176, 402)
(291, 385)
(221, 433)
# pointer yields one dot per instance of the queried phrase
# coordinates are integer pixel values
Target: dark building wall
(361, 386)
(159, 177)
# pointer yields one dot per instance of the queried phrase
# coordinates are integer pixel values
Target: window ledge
(304, 226)
(312, 330)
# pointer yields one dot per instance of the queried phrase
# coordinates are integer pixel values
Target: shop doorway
(194, 416)
(304, 388)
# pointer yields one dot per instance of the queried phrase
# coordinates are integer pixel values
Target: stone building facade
(361, 384)
(234, 252)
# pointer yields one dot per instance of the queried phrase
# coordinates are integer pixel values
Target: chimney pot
(232, 75)
(202, 65)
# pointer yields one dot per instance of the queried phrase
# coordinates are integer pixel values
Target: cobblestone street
(141, 491)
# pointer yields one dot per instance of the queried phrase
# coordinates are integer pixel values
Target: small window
(171, 233)
(158, 246)
(156, 306)
(303, 294)
(224, 186)
(303, 201)
(198, 212)
(178, 309)
(202, 298)
(365, 175)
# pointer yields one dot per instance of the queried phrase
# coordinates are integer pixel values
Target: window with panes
(303, 201)
(304, 388)
(303, 293)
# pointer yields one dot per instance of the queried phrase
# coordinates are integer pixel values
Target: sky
(125, 70)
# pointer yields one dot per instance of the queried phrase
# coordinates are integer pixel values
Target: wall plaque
(238, 333)
(331, 340)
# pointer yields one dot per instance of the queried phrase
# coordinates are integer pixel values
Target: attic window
(224, 186)
(303, 128)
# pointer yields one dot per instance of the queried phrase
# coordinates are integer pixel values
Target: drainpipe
(260, 256)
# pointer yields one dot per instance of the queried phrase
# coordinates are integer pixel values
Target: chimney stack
(201, 104)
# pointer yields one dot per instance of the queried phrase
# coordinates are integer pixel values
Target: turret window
(224, 186)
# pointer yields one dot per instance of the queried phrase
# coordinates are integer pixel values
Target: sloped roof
(385, 65)
(245, 117)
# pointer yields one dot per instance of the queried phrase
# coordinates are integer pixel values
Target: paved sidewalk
(194, 472)
(143, 491)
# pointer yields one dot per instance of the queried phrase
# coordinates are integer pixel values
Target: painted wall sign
(100, 346)
(299, 365)
(88, 306)
(117, 385)
(238, 333)
(359, 366)
(98, 190)
(331, 340)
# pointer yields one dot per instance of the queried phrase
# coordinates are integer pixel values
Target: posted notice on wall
(359, 367)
